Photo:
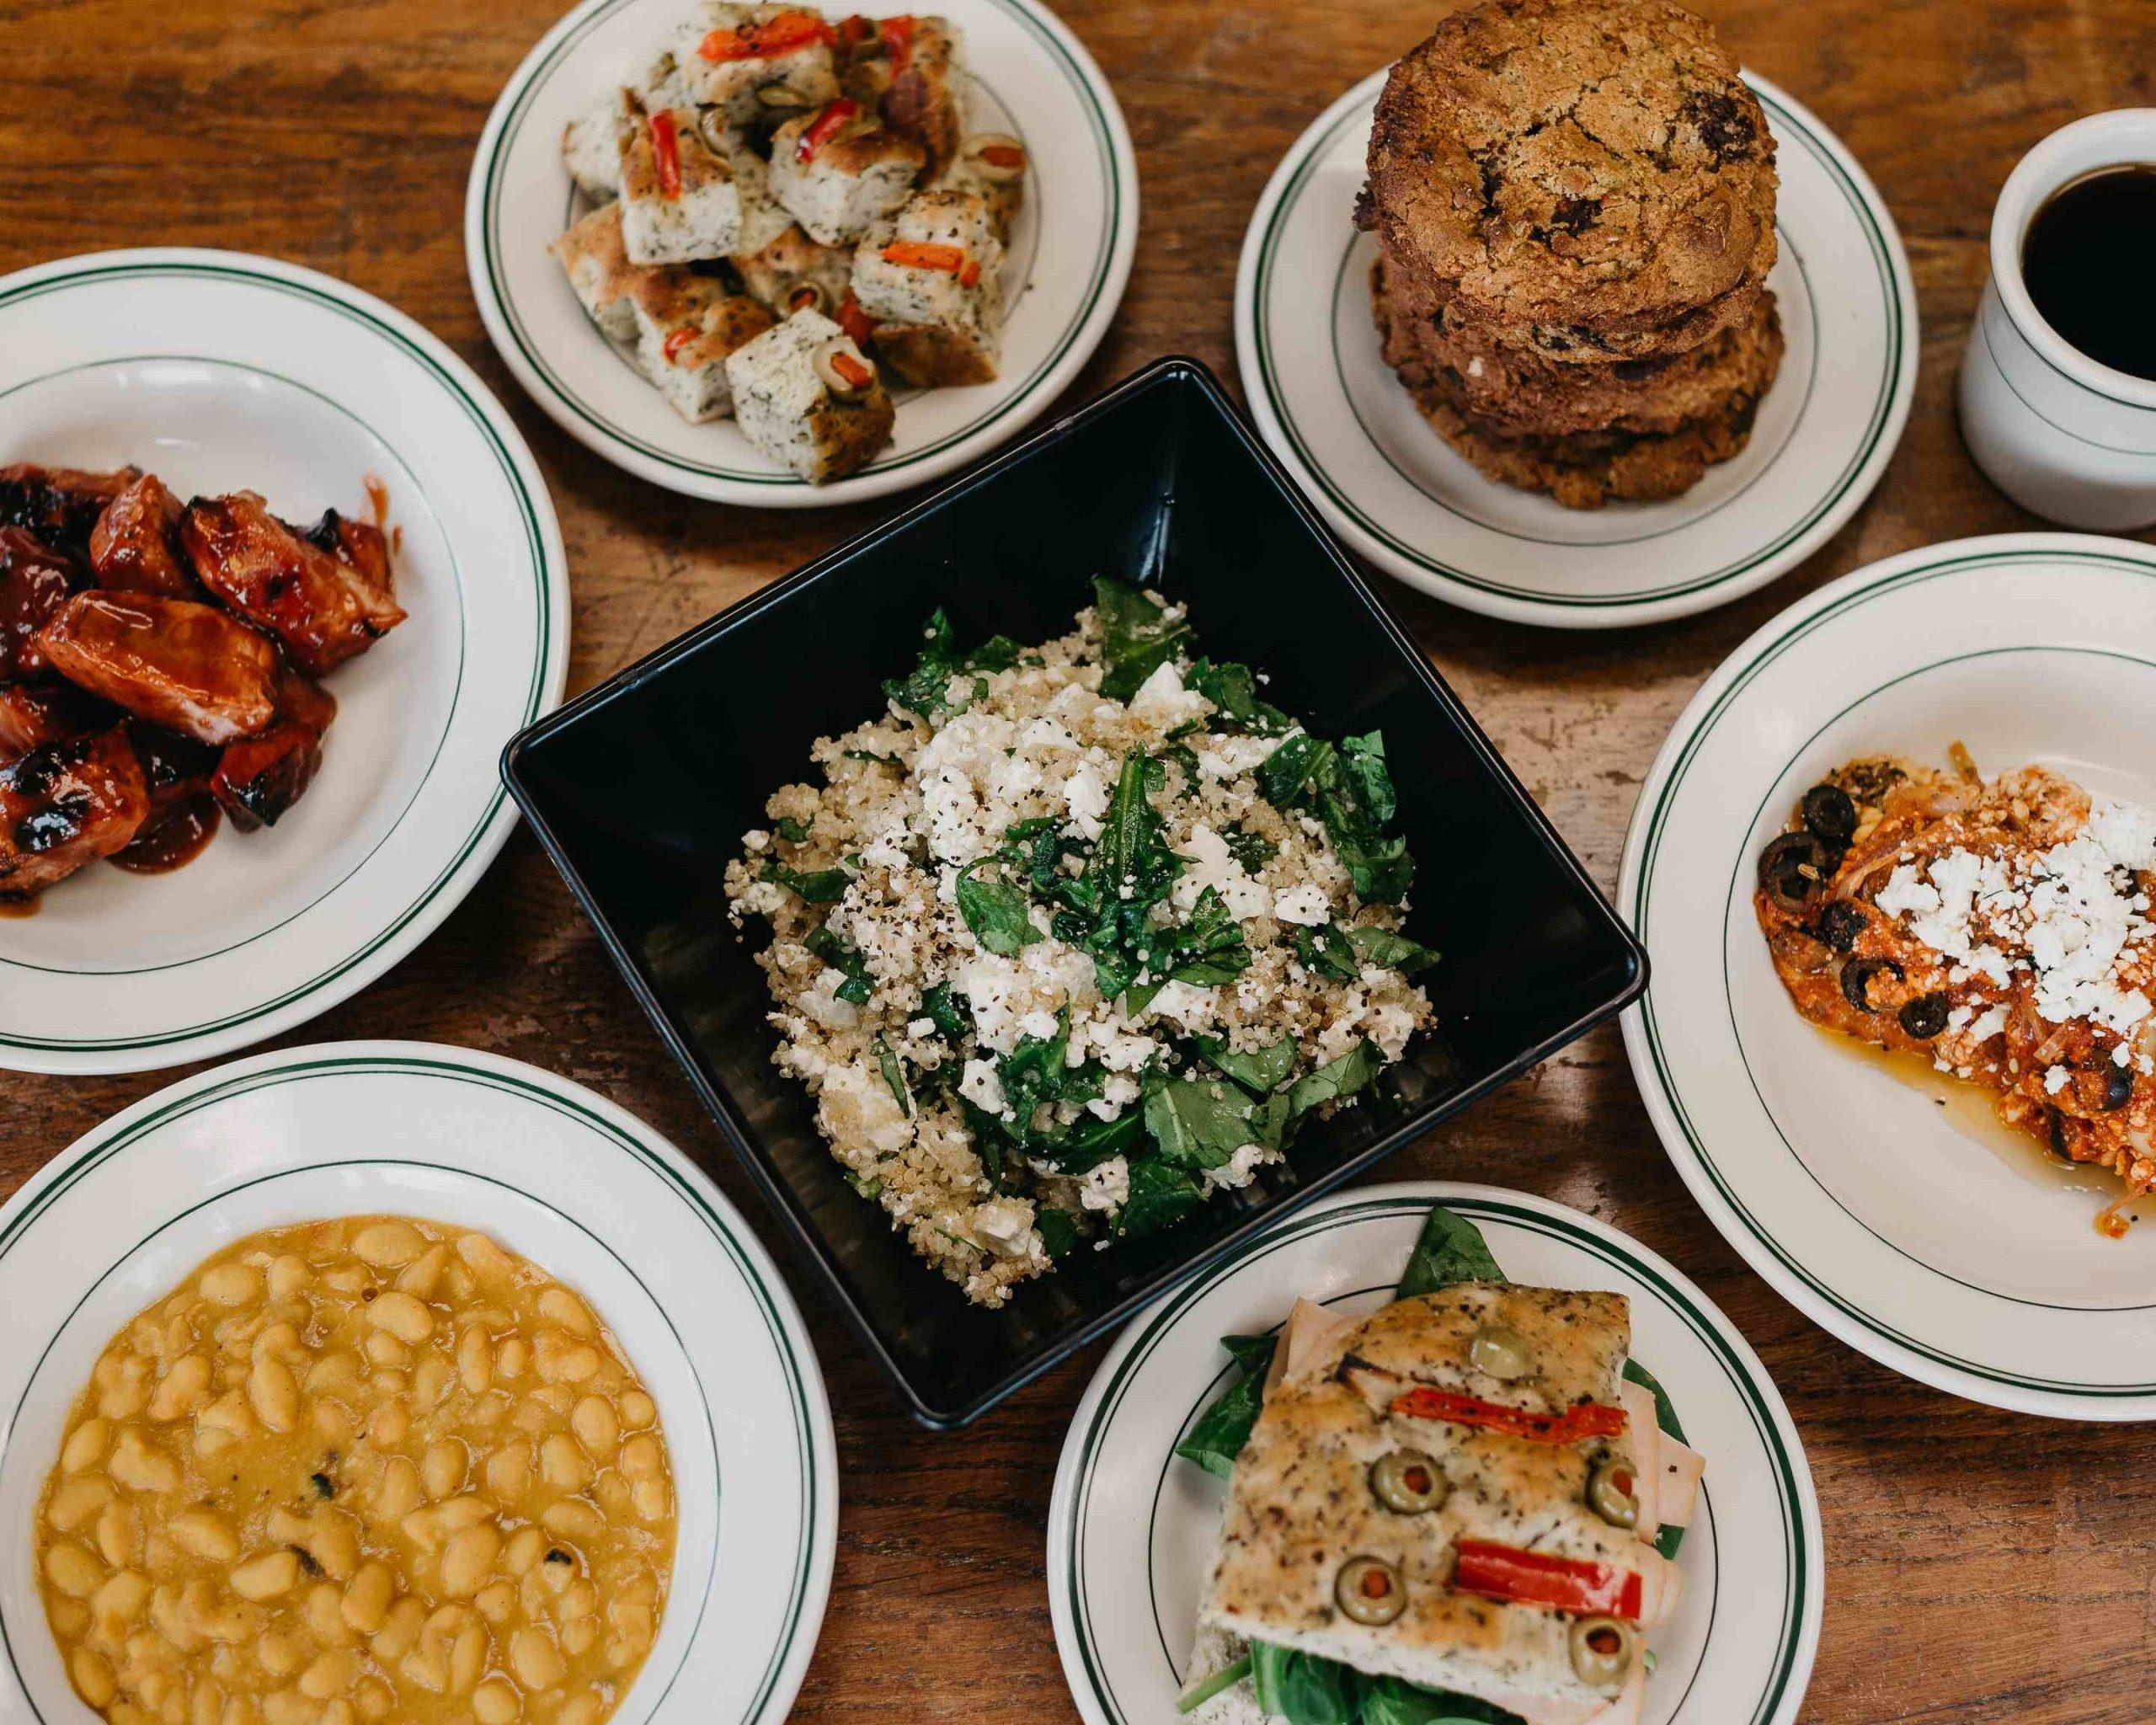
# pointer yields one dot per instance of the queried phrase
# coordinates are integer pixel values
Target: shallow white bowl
(1948, 1255)
(220, 372)
(548, 1169)
(1132, 1529)
(1068, 258)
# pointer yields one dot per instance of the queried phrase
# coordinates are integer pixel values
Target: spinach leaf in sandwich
(1224, 1428)
(1303, 1687)
(927, 689)
(1137, 636)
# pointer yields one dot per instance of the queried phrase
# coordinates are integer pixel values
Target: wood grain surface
(1982, 1566)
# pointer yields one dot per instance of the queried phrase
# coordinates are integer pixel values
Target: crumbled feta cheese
(1305, 905)
(1212, 864)
(1005, 1225)
(1087, 799)
(2056, 1078)
(1107, 1185)
(980, 1087)
(1240, 1169)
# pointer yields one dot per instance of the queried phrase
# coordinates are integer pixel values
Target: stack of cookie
(1574, 203)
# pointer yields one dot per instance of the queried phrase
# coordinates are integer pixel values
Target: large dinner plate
(1131, 1528)
(1068, 258)
(1334, 413)
(1939, 1247)
(550, 1170)
(222, 373)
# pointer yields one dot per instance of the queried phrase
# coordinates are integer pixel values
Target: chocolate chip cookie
(1588, 178)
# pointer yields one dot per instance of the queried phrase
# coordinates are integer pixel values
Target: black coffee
(2089, 263)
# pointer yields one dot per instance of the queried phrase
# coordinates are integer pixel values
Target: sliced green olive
(1369, 1590)
(1610, 1493)
(1602, 1653)
(1408, 1482)
(1500, 1351)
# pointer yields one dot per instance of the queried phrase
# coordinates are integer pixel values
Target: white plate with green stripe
(1068, 258)
(219, 373)
(1895, 1222)
(550, 1170)
(1132, 1527)
(1332, 411)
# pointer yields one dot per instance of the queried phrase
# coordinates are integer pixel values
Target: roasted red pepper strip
(781, 34)
(675, 343)
(824, 128)
(1534, 1578)
(898, 40)
(854, 321)
(932, 255)
(853, 30)
(855, 373)
(1590, 1419)
(1003, 156)
(666, 154)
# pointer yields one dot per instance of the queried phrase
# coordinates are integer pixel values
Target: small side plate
(1132, 1529)
(1068, 258)
(1333, 412)
(554, 1173)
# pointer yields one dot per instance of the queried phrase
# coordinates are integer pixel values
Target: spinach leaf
(1394, 952)
(1393, 1702)
(926, 690)
(1058, 1230)
(1449, 1249)
(1259, 1069)
(890, 760)
(1282, 775)
(1233, 690)
(858, 984)
(1222, 1430)
(1328, 952)
(1350, 790)
(818, 886)
(941, 1004)
(894, 1075)
(1304, 1689)
(792, 830)
(1199, 1693)
(1137, 637)
(997, 913)
(1252, 849)
(1198, 1123)
(1108, 911)
(1206, 951)
(1160, 1196)
(1336, 1079)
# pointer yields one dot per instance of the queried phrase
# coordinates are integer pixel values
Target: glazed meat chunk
(189, 668)
(60, 506)
(135, 547)
(34, 583)
(31, 713)
(259, 778)
(63, 805)
(325, 608)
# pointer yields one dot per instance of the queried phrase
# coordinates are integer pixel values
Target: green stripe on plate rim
(535, 544)
(524, 1090)
(1795, 1557)
(1882, 405)
(1643, 893)
(493, 244)
(1729, 997)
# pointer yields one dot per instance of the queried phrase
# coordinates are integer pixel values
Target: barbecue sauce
(2089, 265)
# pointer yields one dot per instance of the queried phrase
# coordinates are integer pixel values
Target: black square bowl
(641, 791)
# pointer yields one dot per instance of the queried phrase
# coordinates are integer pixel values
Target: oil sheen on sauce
(1967, 1107)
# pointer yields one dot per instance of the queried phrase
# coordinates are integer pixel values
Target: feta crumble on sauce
(2000, 929)
(1070, 940)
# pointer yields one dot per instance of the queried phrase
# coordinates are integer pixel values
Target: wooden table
(1983, 1566)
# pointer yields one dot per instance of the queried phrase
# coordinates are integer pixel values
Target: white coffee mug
(2072, 439)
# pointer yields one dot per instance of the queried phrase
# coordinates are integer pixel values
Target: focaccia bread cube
(992, 165)
(687, 326)
(599, 272)
(756, 63)
(806, 396)
(680, 204)
(794, 265)
(913, 69)
(838, 170)
(591, 143)
(931, 282)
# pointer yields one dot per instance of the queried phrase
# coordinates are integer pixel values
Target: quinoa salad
(1072, 938)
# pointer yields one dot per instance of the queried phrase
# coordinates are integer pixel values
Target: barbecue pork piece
(61, 505)
(31, 713)
(259, 778)
(34, 583)
(135, 547)
(325, 608)
(191, 668)
(65, 804)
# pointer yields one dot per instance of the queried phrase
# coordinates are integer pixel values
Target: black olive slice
(1924, 1016)
(1793, 870)
(1856, 980)
(2118, 1086)
(1829, 815)
(1840, 923)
